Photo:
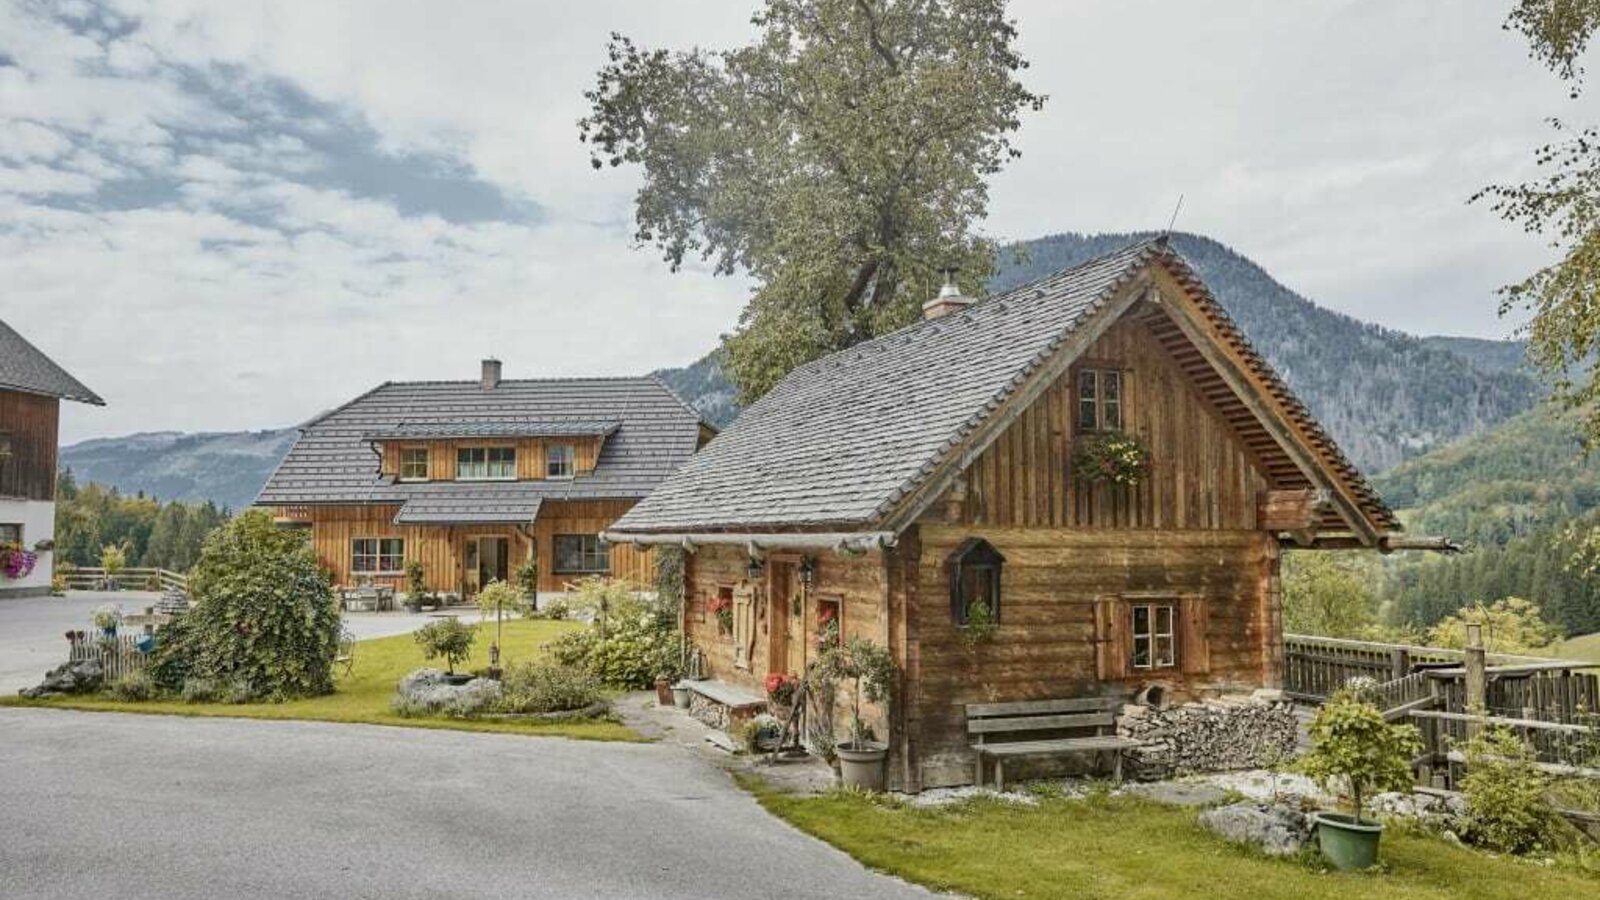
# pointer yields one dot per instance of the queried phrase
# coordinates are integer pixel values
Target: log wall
(28, 423)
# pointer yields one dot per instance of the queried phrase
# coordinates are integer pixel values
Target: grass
(1125, 847)
(1584, 647)
(363, 695)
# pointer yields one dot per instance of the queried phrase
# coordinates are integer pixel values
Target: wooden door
(780, 618)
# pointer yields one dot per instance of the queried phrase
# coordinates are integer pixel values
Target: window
(1100, 400)
(975, 581)
(559, 461)
(486, 463)
(10, 533)
(414, 464)
(1154, 639)
(377, 555)
(579, 554)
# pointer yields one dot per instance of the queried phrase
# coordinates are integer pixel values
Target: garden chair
(344, 657)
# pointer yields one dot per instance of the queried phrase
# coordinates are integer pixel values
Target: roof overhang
(850, 542)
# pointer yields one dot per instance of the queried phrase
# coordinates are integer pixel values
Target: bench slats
(1028, 748)
(1042, 707)
(1040, 723)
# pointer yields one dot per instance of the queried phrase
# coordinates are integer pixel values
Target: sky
(234, 215)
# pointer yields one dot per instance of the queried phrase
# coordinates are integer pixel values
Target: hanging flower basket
(1113, 458)
(722, 608)
(16, 562)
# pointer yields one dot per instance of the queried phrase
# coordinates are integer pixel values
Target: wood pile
(1222, 735)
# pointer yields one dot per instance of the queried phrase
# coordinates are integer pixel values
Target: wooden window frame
(836, 601)
(378, 556)
(958, 566)
(601, 550)
(1152, 635)
(8, 525)
(1103, 374)
(404, 462)
(569, 455)
(488, 451)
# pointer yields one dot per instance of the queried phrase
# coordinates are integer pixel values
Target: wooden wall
(530, 455)
(1045, 645)
(29, 423)
(442, 548)
(1201, 475)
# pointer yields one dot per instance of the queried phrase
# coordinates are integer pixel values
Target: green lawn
(363, 696)
(1584, 647)
(1123, 847)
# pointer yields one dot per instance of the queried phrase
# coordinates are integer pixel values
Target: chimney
(491, 374)
(949, 299)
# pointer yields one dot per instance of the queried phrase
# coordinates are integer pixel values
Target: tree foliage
(1510, 625)
(1507, 809)
(1328, 594)
(1352, 744)
(840, 159)
(264, 615)
(151, 533)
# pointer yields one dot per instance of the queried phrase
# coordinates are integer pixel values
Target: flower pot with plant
(416, 587)
(1111, 457)
(722, 608)
(1352, 746)
(781, 690)
(113, 559)
(106, 618)
(450, 640)
(871, 669)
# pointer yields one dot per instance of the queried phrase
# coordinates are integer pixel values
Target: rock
(1178, 793)
(426, 692)
(77, 677)
(1278, 830)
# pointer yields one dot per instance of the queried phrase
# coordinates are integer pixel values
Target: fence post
(1476, 682)
(1399, 663)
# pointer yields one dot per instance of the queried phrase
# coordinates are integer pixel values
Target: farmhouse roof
(23, 367)
(844, 442)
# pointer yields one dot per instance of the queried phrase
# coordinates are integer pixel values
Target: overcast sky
(226, 215)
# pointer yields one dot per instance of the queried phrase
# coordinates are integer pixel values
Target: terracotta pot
(664, 691)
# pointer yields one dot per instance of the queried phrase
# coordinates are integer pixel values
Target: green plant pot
(862, 766)
(1349, 844)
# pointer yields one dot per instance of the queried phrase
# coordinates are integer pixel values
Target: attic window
(559, 462)
(1100, 399)
(414, 464)
(974, 580)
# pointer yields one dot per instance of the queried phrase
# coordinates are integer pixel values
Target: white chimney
(491, 374)
(949, 299)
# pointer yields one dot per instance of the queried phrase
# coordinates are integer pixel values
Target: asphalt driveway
(96, 805)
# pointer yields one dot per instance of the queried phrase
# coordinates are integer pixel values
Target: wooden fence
(93, 578)
(1315, 667)
(117, 655)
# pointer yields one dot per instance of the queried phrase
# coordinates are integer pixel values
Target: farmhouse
(32, 387)
(474, 478)
(1074, 489)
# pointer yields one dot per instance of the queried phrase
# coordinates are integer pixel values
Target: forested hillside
(1384, 395)
(226, 468)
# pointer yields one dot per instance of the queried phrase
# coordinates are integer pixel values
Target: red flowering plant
(781, 688)
(722, 608)
(16, 562)
(827, 628)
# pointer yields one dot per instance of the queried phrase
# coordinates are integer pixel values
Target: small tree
(113, 559)
(449, 639)
(1510, 625)
(416, 584)
(495, 600)
(1351, 741)
(871, 669)
(528, 579)
(1507, 809)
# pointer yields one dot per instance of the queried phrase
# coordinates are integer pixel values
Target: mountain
(225, 467)
(1385, 395)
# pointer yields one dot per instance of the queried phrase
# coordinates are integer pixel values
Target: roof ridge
(556, 379)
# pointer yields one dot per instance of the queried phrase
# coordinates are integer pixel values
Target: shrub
(528, 578)
(264, 615)
(1507, 809)
(544, 686)
(1351, 742)
(134, 687)
(425, 692)
(201, 690)
(498, 597)
(631, 641)
(416, 585)
(448, 639)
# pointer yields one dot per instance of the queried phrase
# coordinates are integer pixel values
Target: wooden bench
(1012, 720)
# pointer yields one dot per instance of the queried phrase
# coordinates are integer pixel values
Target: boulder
(81, 676)
(1278, 830)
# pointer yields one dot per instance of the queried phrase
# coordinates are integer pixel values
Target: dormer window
(975, 581)
(414, 464)
(486, 464)
(560, 461)
(1100, 399)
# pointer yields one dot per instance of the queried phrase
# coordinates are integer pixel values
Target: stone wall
(1244, 732)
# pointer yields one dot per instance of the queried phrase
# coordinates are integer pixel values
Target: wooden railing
(1314, 667)
(93, 578)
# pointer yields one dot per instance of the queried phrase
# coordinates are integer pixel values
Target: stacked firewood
(1244, 732)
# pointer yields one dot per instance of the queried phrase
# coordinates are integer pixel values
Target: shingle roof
(531, 428)
(334, 461)
(843, 439)
(24, 368)
(461, 503)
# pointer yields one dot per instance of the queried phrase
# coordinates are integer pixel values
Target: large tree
(840, 159)
(1562, 204)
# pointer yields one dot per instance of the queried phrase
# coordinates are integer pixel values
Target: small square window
(10, 533)
(1100, 399)
(560, 461)
(1154, 639)
(377, 556)
(414, 464)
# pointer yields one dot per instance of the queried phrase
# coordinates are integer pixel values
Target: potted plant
(106, 618)
(113, 560)
(871, 668)
(15, 562)
(781, 690)
(1113, 457)
(722, 608)
(448, 639)
(1352, 745)
(416, 587)
(664, 690)
(528, 580)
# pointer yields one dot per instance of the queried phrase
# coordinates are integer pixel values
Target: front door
(785, 640)
(488, 559)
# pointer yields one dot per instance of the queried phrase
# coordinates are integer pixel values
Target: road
(250, 809)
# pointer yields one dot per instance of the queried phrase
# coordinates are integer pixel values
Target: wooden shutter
(1194, 650)
(1111, 638)
(744, 625)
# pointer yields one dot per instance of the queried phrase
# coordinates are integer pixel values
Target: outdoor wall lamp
(808, 571)
(753, 568)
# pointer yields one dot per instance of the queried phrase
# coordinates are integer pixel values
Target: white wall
(38, 518)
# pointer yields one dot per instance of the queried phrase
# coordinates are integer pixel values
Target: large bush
(264, 616)
(1352, 746)
(544, 686)
(1507, 809)
(630, 641)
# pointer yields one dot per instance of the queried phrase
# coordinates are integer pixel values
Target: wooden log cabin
(473, 478)
(32, 387)
(902, 483)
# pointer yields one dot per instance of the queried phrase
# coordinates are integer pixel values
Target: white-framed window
(1100, 399)
(1155, 643)
(486, 463)
(560, 461)
(414, 464)
(377, 556)
(10, 532)
(581, 554)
